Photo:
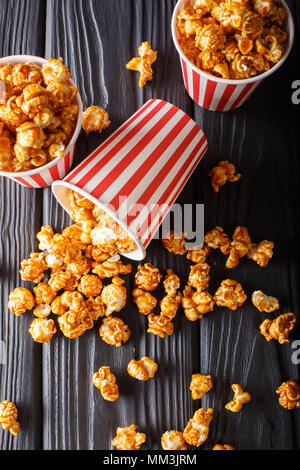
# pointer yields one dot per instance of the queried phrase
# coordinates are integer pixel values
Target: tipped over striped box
(138, 172)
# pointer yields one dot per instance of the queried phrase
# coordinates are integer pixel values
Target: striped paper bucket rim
(60, 188)
(262, 76)
(40, 61)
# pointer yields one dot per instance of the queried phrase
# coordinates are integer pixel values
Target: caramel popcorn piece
(147, 277)
(54, 70)
(143, 369)
(279, 328)
(174, 242)
(199, 276)
(289, 395)
(223, 447)
(230, 294)
(200, 385)
(198, 255)
(114, 331)
(109, 269)
(90, 285)
(217, 239)
(105, 380)
(57, 307)
(170, 304)
(160, 325)
(240, 247)
(8, 417)
(240, 398)
(197, 429)
(43, 293)
(33, 268)
(42, 330)
(77, 319)
(95, 119)
(20, 300)
(143, 63)
(144, 300)
(264, 303)
(42, 311)
(171, 282)
(114, 296)
(45, 236)
(58, 280)
(261, 253)
(128, 438)
(173, 440)
(95, 307)
(196, 304)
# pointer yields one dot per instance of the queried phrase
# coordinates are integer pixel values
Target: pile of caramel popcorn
(38, 114)
(233, 39)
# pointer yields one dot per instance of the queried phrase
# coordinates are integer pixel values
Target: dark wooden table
(59, 408)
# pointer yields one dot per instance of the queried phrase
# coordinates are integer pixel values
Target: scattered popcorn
(147, 277)
(114, 296)
(197, 429)
(217, 239)
(174, 242)
(90, 285)
(105, 380)
(20, 300)
(77, 319)
(196, 304)
(264, 303)
(128, 438)
(42, 330)
(95, 119)
(143, 369)
(240, 398)
(33, 268)
(8, 417)
(199, 276)
(143, 63)
(170, 304)
(279, 328)
(144, 300)
(223, 447)
(261, 253)
(171, 282)
(222, 173)
(160, 325)
(43, 293)
(230, 294)
(114, 331)
(289, 395)
(173, 440)
(198, 255)
(240, 247)
(200, 385)
(42, 311)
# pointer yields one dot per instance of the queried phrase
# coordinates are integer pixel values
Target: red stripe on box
(125, 162)
(151, 160)
(196, 86)
(39, 180)
(209, 93)
(185, 74)
(22, 181)
(67, 161)
(225, 97)
(54, 173)
(241, 95)
(108, 141)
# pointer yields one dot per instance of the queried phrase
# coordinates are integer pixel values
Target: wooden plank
(21, 32)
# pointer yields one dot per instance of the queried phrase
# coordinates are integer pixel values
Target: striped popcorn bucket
(44, 176)
(138, 172)
(214, 93)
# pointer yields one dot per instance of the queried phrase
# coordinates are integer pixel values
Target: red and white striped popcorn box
(214, 93)
(44, 176)
(137, 173)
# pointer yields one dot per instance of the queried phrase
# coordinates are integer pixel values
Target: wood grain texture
(59, 407)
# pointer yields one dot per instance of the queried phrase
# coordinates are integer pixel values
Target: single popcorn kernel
(109, 269)
(77, 320)
(105, 380)
(143, 63)
(200, 385)
(8, 417)
(199, 255)
(95, 307)
(197, 429)
(217, 239)
(289, 395)
(223, 447)
(33, 268)
(174, 242)
(95, 119)
(240, 247)
(160, 325)
(279, 328)
(230, 294)
(261, 253)
(199, 276)
(42, 330)
(143, 369)
(144, 300)
(45, 236)
(114, 296)
(114, 331)
(43, 293)
(20, 300)
(90, 285)
(57, 306)
(173, 440)
(58, 280)
(54, 70)
(240, 398)
(170, 304)
(171, 282)
(42, 311)
(147, 277)
(128, 438)
(196, 304)
(30, 135)
(264, 303)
